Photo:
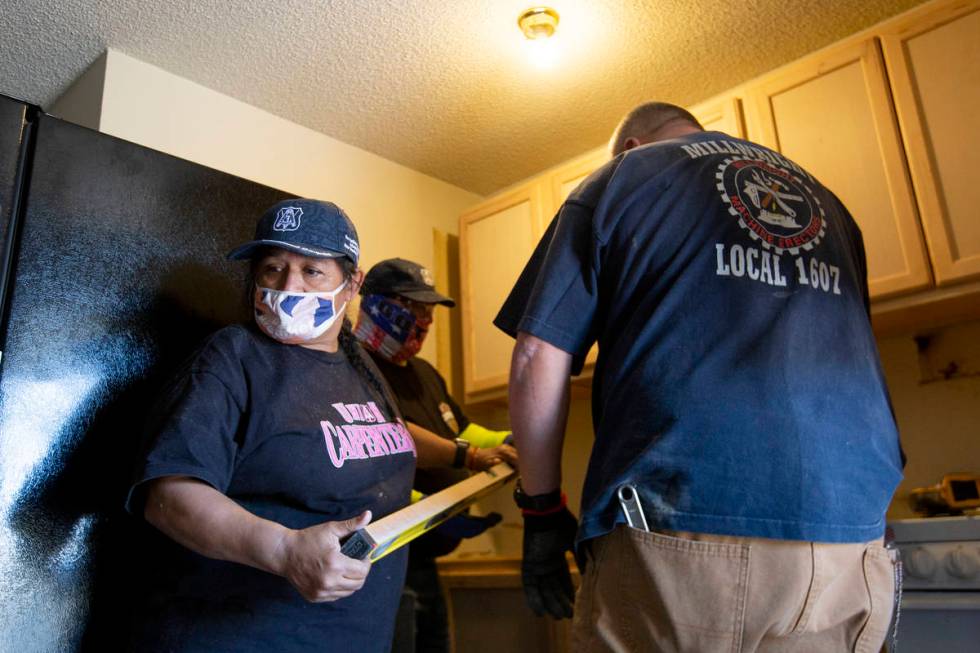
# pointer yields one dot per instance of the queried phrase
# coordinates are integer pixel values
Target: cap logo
(351, 246)
(426, 277)
(288, 219)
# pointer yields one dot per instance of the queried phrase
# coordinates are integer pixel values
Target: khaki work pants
(705, 593)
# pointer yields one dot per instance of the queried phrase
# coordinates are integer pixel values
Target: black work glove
(544, 569)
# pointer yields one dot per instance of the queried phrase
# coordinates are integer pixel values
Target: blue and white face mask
(296, 317)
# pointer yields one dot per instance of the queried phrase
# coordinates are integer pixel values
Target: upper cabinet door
(496, 239)
(721, 115)
(933, 60)
(832, 114)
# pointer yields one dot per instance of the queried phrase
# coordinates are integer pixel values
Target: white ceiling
(444, 88)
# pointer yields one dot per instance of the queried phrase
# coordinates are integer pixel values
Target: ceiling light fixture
(538, 22)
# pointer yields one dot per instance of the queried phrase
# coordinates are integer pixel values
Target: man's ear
(631, 142)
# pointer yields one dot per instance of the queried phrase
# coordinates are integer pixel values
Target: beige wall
(82, 102)
(394, 207)
(939, 420)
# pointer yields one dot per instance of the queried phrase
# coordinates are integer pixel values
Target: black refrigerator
(111, 271)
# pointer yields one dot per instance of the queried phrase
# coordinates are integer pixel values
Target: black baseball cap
(396, 276)
(310, 227)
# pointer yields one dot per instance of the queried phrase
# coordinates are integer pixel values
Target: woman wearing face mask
(395, 315)
(276, 440)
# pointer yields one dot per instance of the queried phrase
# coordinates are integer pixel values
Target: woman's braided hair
(348, 342)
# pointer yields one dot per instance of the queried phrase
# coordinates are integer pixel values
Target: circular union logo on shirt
(773, 205)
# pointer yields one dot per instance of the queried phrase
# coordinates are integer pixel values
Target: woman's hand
(313, 564)
(206, 521)
(483, 459)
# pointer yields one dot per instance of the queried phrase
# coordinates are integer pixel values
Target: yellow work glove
(483, 438)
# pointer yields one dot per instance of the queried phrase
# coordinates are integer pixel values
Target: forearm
(207, 522)
(432, 450)
(539, 393)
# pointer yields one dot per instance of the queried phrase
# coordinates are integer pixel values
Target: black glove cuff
(553, 521)
(538, 503)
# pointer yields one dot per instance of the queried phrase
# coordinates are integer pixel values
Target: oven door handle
(941, 601)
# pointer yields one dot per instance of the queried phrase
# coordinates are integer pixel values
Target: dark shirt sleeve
(461, 419)
(191, 432)
(556, 296)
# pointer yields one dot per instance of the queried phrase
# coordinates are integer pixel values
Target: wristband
(539, 504)
(462, 448)
(530, 512)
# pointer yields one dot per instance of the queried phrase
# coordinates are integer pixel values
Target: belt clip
(629, 499)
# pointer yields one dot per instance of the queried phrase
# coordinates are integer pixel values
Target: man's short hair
(645, 121)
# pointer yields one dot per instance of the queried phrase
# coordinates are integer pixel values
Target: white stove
(939, 553)
(941, 584)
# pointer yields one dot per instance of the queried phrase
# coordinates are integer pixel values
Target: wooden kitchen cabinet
(933, 60)
(496, 238)
(832, 114)
(722, 114)
(488, 612)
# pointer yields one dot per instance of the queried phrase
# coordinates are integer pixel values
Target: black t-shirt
(295, 436)
(738, 384)
(423, 399)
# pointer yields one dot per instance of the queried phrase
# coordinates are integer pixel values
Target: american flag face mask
(296, 317)
(390, 329)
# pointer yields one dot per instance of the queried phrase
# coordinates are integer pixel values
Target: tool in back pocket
(629, 499)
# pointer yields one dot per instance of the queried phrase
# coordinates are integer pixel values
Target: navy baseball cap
(309, 227)
(396, 276)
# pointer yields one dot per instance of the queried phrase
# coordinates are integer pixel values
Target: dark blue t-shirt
(294, 436)
(738, 384)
